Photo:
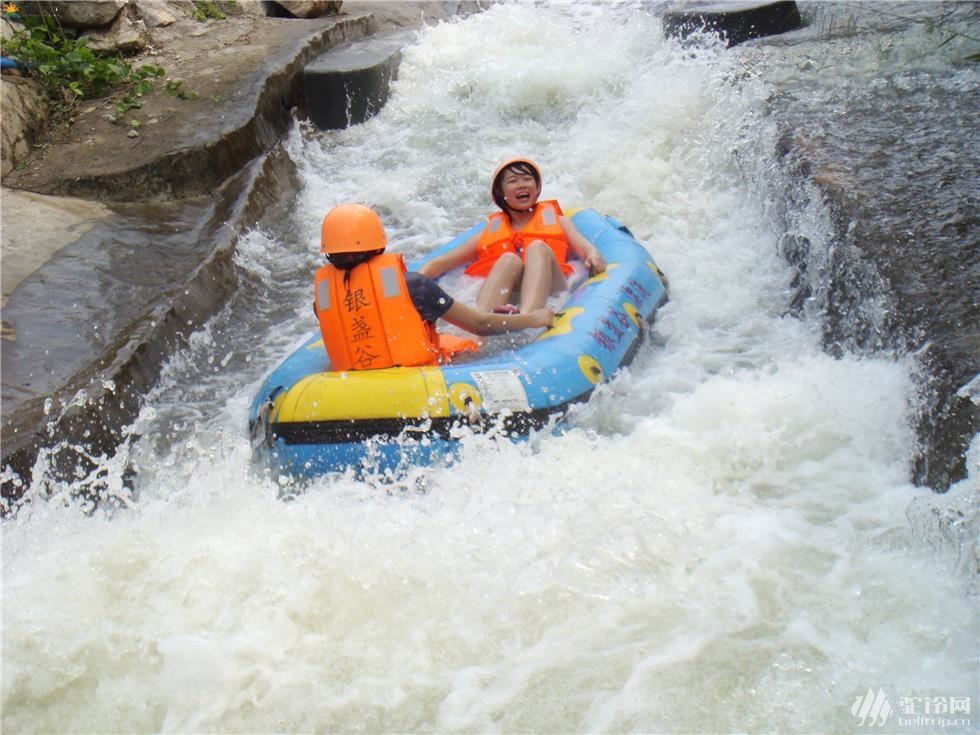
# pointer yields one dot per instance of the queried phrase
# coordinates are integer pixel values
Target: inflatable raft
(309, 420)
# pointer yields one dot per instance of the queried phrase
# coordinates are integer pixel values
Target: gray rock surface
(734, 20)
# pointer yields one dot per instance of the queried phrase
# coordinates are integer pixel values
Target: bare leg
(499, 285)
(542, 276)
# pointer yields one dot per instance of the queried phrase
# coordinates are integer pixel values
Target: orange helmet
(352, 228)
(496, 194)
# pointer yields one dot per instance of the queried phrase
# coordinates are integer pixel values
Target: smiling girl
(524, 246)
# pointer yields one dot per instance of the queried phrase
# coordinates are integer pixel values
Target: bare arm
(462, 253)
(485, 322)
(584, 249)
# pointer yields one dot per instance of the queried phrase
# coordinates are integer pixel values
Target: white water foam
(720, 542)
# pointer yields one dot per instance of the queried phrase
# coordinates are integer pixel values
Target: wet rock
(348, 85)
(55, 223)
(735, 22)
(131, 289)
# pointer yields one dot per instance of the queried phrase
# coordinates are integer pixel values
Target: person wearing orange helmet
(523, 248)
(373, 313)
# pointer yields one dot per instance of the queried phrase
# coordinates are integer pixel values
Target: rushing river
(726, 538)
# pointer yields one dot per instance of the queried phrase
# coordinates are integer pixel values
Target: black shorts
(427, 295)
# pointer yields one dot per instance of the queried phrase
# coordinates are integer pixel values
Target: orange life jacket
(499, 237)
(368, 321)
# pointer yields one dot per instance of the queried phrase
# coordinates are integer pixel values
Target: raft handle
(259, 431)
(471, 410)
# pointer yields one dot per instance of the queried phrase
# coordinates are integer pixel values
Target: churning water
(725, 539)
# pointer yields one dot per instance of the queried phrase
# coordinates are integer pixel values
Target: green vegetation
(204, 9)
(69, 70)
(176, 88)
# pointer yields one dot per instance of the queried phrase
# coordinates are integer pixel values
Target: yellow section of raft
(399, 392)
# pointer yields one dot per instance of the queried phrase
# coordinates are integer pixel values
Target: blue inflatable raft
(308, 420)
